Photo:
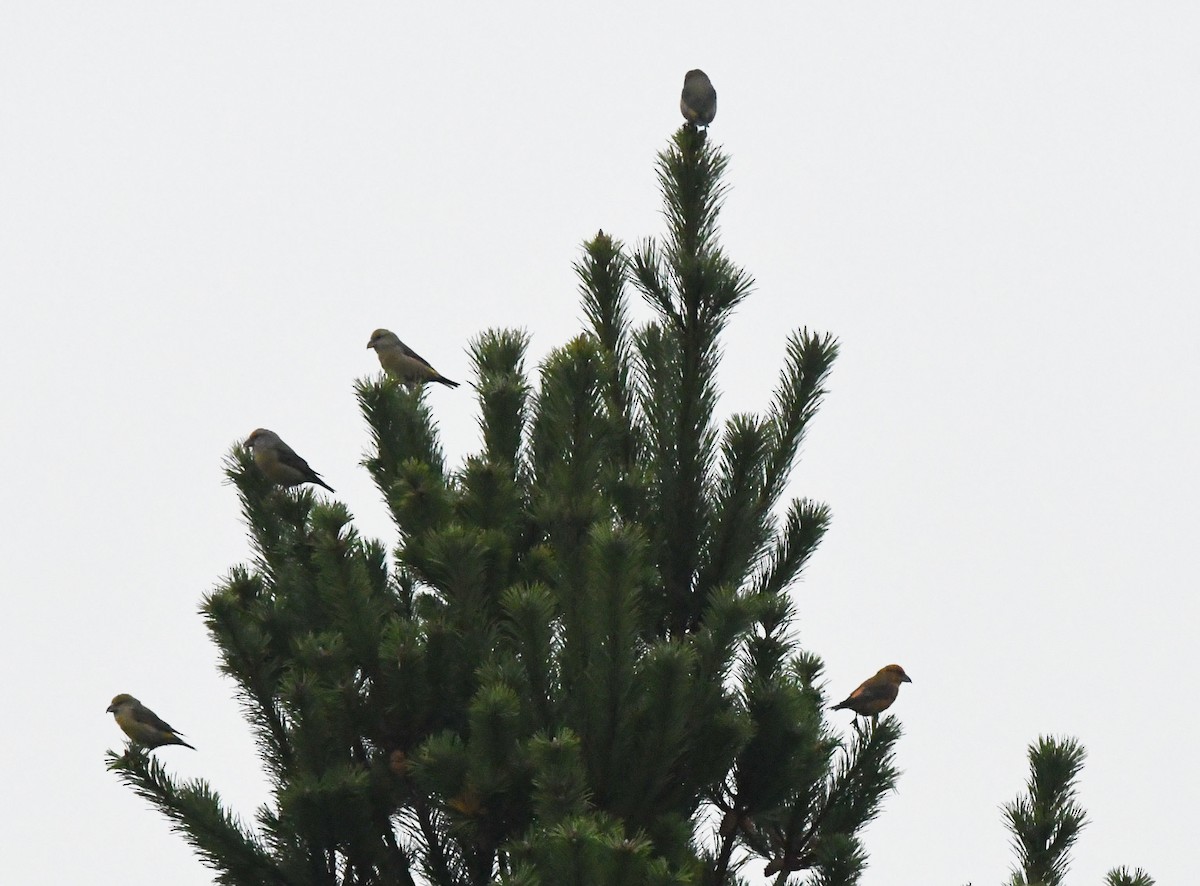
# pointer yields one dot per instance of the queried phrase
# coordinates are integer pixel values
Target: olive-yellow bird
(699, 100)
(401, 361)
(876, 694)
(279, 462)
(142, 725)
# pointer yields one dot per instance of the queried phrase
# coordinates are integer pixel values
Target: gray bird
(402, 362)
(699, 100)
(142, 725)
(279, 462)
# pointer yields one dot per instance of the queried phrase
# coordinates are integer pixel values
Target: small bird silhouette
(698, 102)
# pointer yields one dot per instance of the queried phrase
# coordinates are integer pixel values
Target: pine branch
(195, 811)
(436, 861)
(801, 389)
(728, 618)
(689, 178)
(649, 272)
(804, 527)
(234, 616)
(721, 868)
(534, 633)
(603, 274)
(572, 443)
(821, 833)
(864, 777)
(503, 391)
(1045, 821)
(559, 780)
(402, 435)
(739, 527)
(1122, 876)
(678, 403)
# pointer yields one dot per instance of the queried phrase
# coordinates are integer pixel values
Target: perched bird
(787, 862)
(699, 100)
(877, 693)
(401, 361)
(142, 725)
(279, 462)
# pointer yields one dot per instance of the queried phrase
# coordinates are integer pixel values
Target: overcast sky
(206, 208)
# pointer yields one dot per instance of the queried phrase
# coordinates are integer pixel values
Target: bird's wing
(413, 355)
(289, 457)
(144, 715)
(871, 692)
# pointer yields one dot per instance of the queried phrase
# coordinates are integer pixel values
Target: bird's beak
(369, 344)
(906, 679)
(110, 709)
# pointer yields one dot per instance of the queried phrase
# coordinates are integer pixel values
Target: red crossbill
(698, 103)
(401, 361)
(279, 462)
(877, 693)
(142, 725)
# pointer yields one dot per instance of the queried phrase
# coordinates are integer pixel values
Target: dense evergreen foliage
(575, 663)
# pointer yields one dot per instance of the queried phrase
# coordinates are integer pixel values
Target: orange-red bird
(876, 694)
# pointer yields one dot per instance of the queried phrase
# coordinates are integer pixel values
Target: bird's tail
(443, 380)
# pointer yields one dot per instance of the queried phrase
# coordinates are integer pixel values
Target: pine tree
(579, 664)
(1047, 819)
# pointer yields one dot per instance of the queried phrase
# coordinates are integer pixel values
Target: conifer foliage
(578, 665)
(1047, 819)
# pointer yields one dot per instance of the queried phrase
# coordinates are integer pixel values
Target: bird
(279, 462)
(875, 694)
(789, 862)
(699, 100)
(142, 725)
(401, 361)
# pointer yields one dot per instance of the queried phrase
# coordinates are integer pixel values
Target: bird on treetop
(875, 694)
(698, 102)
(279, 462)
(402, 362)
(142, 725)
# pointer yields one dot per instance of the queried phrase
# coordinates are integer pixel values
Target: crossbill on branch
(142, 725)
(698, 102)
(875, 694)
(279, 462)
(402, 362)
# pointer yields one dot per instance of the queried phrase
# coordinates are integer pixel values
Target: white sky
(206, 208)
